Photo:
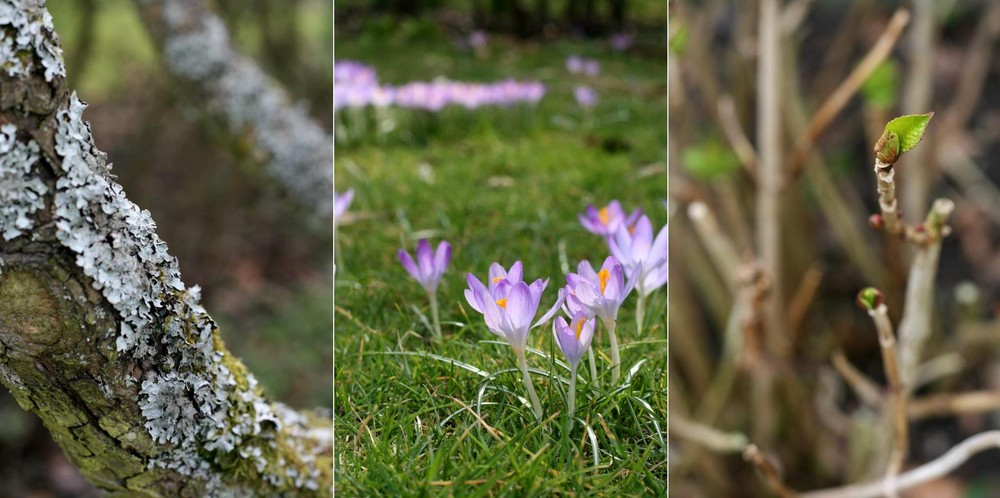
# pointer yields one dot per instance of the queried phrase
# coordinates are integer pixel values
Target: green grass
(500, 186)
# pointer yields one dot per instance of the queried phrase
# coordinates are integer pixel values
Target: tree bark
(98, 334)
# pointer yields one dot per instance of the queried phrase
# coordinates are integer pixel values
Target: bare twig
(900, 426)
(915, 326)
(863, 386)
(954, 404)
(719, 247)
(847, 88)
(767, 471)
(771, 178)
(917, 98)
(922, 474)
(734, 133)
(709, 437)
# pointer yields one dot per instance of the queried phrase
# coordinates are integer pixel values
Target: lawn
(418, 417)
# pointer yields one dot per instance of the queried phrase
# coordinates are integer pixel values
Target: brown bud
(887, 148)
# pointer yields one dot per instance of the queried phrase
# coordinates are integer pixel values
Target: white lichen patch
(27, 38)
(21, 193)
(191, 401)
(298, 152)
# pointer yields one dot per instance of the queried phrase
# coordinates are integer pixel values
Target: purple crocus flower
(586, 97)
(635, 247)
(599, 293)
(574, 338)
(341, 202)
(605, 221)
(477, 39)
(621, 41)
(509, 304)
(429, 266)
(574, 64)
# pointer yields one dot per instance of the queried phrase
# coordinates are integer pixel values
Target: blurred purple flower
(508, 306)
(477, 39)
(585, 96)
(574, 338)
(621, 41)
(605, 221)
(579, 65)
(429, 266)
(341, 202)
(601, 293)
(635, 247)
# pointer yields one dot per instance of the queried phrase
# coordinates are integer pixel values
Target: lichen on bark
(99, 335)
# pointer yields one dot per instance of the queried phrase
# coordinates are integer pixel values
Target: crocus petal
(632, 218)
(552, 311)
(425, 259)
(616, 283)
(620, 244)
(586, 271)
(441, 259)
(520, 305)
(470, 296)
(474, 282)
(407, 261)
(516, 273)
(632, 280)
(590, 225)
(659, 249)
(642, 239)
(496, 274)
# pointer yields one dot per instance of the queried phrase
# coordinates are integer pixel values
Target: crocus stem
(521, 362)
(640, 313)
(434, 314)
(571, 400)
(593, 365)
(616, 361)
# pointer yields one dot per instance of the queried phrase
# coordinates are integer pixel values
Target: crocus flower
(574, 338)
(341, 202)
(508, 308)
(621, 41)
(636, 246)
(427, 270)
(430, 266)
(600, 293)
(586, 97)
(605, 221)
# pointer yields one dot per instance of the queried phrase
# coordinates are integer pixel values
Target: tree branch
(229, 86)
(98, 334)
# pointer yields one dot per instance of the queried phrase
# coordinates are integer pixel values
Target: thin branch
(940, 405)
(771, 178)
(709, 437)
(720, 249)
(927, 472)
(915, 325)
(900, 425)
(296, 151)
(861, 384)
(737, 138)
(847, 88)
(767, 471)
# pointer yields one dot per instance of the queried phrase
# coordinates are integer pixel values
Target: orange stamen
(603, 214)
(579, 328)
(502, 303)
(603, 276)
(497, 279)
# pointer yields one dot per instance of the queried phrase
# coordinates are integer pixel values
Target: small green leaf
(709, 160)
(910, 129)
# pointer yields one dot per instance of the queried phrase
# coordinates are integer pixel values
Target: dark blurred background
(264, 269)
